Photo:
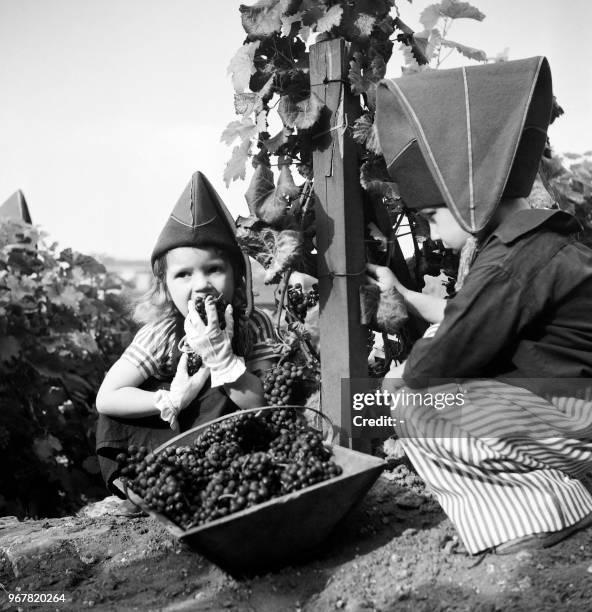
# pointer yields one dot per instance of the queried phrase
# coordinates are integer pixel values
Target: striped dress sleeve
(264, 337)
(151, 349)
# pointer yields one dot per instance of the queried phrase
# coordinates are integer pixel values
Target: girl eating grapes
(184, 368)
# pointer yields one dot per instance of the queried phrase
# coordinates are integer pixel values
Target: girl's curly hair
(156, 304)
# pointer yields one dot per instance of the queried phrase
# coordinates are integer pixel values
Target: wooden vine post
(339, 235)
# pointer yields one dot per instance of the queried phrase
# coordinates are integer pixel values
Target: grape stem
(286, 278)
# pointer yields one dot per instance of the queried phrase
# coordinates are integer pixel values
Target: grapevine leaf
(429, 42)
(378, 68)
(460, 10)
(267, 202)
(301, 115)
(330, 19)
(261, 19)
(88, 264)
(372, 142)
(68, 297)
(255, 239)
(361, 76)
(249, 102)
(361, 128)
(365, 24)
(312, 11)
(375, 179)
(304, 32)
(429, 16)
(10, 348)
(358, 80)
(280, 139)
(411, 66)
(288, 250)
(45, 447)
(244, 103)
(242, 66)
(286, 189)
(365, 133)
(470, 52)
(242, 130)
(288, 21)
(83, 341)
(237, 165)
(260, 188)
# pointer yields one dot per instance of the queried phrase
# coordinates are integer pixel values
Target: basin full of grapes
(251, 491)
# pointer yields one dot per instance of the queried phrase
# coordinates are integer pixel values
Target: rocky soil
(395, 552)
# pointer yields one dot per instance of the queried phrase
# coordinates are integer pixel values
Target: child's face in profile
(193, 272)
(444, 227)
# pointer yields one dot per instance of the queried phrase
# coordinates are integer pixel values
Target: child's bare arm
(247, 391)
(120, 396)
(428, 307)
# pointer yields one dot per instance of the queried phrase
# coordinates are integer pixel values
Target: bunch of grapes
(221, 303)
(194, 362)
(312, 297)
(281, 385)
(238, 463)
(299, 302)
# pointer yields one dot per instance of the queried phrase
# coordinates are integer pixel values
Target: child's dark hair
(156, 304)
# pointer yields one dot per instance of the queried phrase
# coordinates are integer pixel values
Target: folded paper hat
(466, 137)
(199, 219)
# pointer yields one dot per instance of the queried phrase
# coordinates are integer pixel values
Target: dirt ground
(395, 551)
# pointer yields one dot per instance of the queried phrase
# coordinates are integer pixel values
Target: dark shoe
(538, 541)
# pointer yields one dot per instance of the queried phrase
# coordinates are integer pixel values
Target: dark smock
(524, 312)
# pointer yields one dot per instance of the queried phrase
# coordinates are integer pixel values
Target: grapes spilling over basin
(267, 490)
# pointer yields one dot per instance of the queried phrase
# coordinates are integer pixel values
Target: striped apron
(505, 464)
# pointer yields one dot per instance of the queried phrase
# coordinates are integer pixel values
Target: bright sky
(109, 106)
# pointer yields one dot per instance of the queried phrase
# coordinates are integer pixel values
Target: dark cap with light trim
(199, 219)
(466, 137)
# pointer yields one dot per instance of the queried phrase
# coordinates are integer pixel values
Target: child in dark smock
(509, 464)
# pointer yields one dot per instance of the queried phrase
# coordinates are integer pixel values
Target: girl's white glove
(213, 344)
(183, 391)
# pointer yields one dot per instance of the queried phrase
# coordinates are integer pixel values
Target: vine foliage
(63, 322)
(278, 114)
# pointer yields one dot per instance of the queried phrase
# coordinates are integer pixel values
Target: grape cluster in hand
(235, 464)
(221, 303)
(299, 302)
(194, 362)
(281, 384)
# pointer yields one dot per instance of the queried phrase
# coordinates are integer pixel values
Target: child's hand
(393, 379)
(183, 391)
(213, 344)
(384, 278)
(184, 388)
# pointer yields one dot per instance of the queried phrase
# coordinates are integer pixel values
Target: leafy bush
(63, 322)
